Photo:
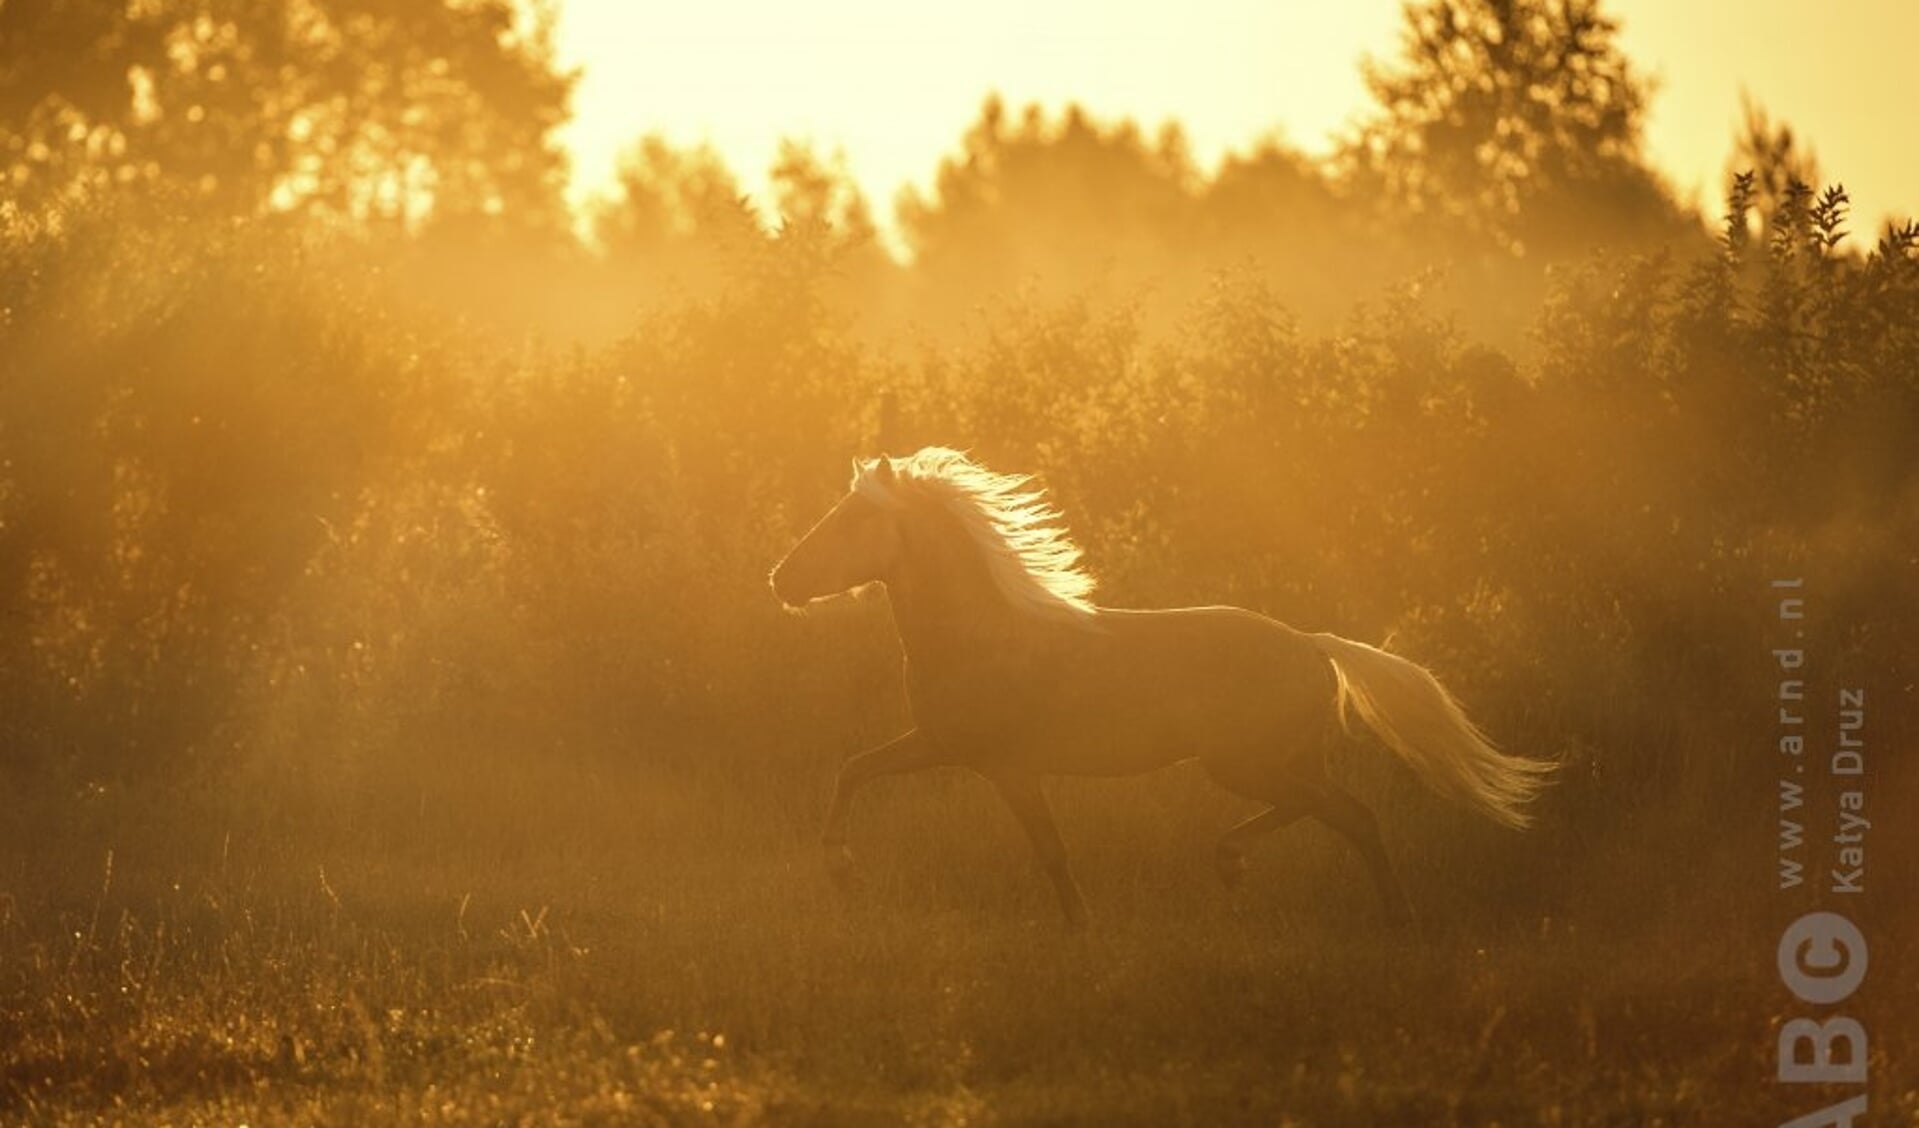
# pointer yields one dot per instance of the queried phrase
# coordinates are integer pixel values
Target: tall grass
(527, 945)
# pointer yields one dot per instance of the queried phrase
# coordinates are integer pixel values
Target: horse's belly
(1155, 689)
(1139, 728)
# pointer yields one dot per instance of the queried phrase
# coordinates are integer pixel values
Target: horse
(1012, 671)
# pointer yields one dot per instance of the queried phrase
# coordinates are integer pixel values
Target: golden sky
(893, 85)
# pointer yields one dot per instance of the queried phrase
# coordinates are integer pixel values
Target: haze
(893, 85)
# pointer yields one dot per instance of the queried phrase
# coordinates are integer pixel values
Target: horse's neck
(945, 602)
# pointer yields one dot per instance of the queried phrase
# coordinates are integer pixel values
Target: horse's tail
(1402, 702)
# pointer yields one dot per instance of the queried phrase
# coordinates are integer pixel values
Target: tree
(1045, 200)
(667, 200)
(1777, 157)
(676, 224)
(1511, 121)
(188, 412)
(401, 111)
(1319, 252)
(811, 191)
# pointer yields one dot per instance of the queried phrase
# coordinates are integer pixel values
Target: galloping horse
(1013, 672)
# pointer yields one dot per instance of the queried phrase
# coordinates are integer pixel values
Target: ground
(603, 946)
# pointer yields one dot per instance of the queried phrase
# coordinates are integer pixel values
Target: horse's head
(856, 543)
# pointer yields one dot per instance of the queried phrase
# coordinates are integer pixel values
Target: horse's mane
(1031, 558)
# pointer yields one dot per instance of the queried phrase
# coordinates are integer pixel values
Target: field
(559, 945)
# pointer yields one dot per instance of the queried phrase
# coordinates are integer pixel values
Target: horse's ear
(885, 469)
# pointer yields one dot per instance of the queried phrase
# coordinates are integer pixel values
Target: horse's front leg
(910, 752)
(1022, 793)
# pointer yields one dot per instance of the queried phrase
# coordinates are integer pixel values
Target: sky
(893, 85)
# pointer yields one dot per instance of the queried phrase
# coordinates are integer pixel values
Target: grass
(537, 944)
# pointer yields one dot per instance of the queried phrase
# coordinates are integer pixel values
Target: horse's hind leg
(1229, 856)
(1028, 803)
(1294, 794)
(1256, 778)
(1355, 822)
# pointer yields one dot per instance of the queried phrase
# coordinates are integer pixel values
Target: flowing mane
(1033, 561)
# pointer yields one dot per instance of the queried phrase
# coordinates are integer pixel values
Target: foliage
(668, 202)
(179, 441)
(374, 111)
(1772, 153)
(1055, 203)
(1500, 104)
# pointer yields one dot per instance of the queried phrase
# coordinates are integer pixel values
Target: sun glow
(893, 86)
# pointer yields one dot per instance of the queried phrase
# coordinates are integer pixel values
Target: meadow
(528, 945)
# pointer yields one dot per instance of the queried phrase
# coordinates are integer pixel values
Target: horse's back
(1132, 690)
(1226, 659)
